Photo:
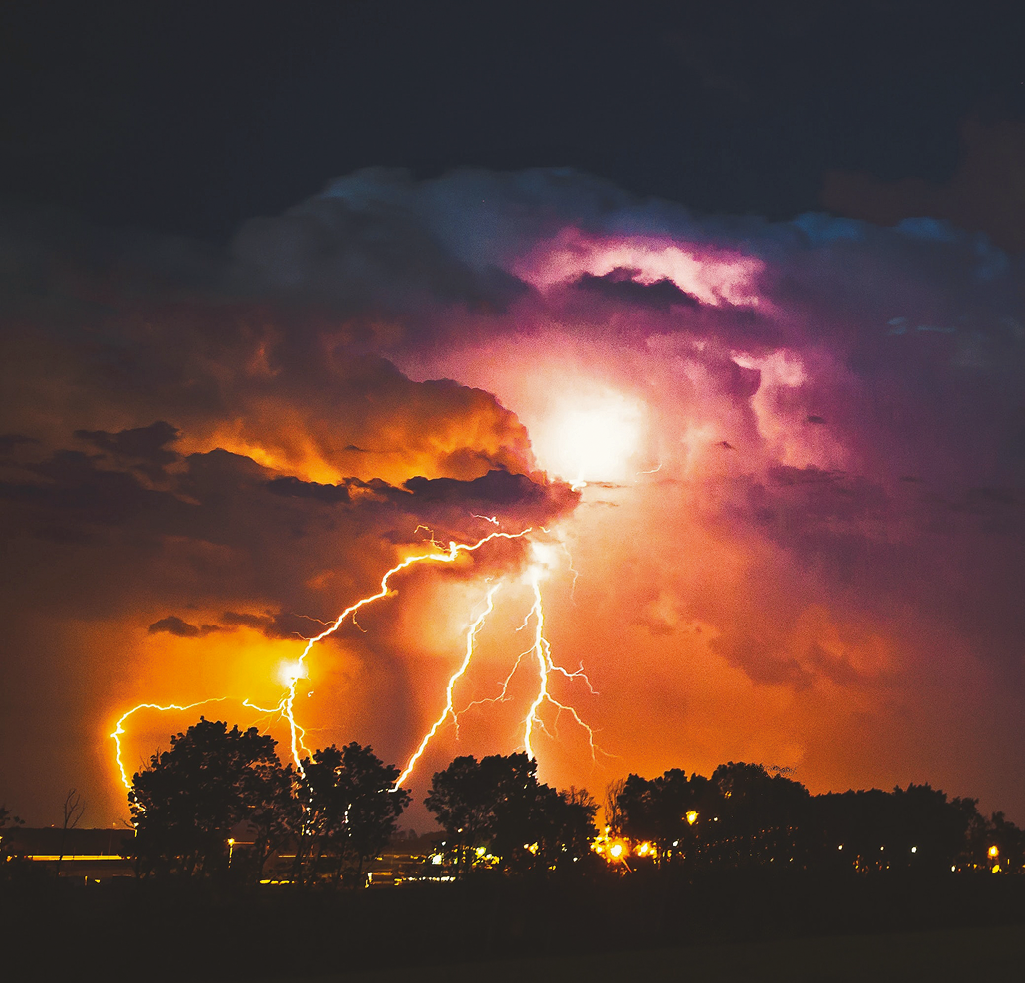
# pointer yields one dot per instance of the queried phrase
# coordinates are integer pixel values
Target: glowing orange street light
(231, 848)
(692, 817)
(993, 851)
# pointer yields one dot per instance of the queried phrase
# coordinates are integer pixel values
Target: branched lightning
(540, 649)
(119, 730)
(471, 640)
(450, 556)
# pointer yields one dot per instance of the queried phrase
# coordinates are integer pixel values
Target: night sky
(724, 302)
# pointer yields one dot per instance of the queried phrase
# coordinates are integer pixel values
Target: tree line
(338, 810)
(329, 817)
(744, 816)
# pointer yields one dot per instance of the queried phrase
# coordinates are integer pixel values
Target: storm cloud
(817, 548)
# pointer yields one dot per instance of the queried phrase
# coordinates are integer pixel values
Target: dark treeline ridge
(220, 804)
(743, 816)
(746, 853)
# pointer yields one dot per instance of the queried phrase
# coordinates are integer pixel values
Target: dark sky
(286, 285)
(192, 117)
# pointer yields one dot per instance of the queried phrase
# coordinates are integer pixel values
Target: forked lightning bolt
(119, 730)
(471, 639)
(540, 649)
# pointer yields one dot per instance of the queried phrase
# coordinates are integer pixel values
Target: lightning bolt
(119, 730)
(540, 650)
(455, 550)
(471, 641)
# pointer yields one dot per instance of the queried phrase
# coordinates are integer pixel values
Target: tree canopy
(186, 803)
(339, 809)
(350, 807)
(497, 805)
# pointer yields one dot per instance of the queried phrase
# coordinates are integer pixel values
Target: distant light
(993, 851)
(692, 817)
(840, 847)
(616, 850)
(953, 869)
(914, 849)
(591, 436)
(290, 671)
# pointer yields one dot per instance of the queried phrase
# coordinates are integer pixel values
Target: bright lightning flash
(119, 729)
(591, 437)
(471, 640)
(544, 560)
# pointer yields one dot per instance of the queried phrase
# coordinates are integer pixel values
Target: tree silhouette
(498, 803)
(7, 852)
(74, 807)
(663, 811)
(611, 806)
(350, 807)
(463, 797)
(560, 828)
(762, 817)
(186, 803)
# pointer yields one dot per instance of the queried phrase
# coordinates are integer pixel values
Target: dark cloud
(279, 625)
(291, 487)
(497, 490)
(621, 285)
(174, 625)
(10, 441)
(146, 444)
(73, 489)
(789, 379)
(985, 194)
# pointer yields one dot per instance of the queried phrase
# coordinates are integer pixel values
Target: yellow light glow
(692, 817)
(993, 851)
(290, 671)
(616, 850)
(592, 437)
(545, 554)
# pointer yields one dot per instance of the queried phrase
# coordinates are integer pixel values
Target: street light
(231, 849)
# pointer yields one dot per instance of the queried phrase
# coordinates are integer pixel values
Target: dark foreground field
(959, 955)
(732, 925)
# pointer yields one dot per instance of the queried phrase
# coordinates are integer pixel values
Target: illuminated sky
(780, 465)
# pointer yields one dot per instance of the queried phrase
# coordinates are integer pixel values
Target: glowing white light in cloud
(590, 438)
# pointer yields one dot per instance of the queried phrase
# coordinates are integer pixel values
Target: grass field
(962, 955)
